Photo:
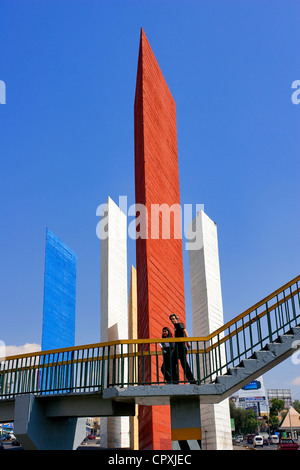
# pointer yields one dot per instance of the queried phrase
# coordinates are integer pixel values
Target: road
(92, 445)
(244, 446)
(7, 446)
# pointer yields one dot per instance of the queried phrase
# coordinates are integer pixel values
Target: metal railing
(91, 368)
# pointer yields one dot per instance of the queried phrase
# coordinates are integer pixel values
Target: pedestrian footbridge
(109, 379)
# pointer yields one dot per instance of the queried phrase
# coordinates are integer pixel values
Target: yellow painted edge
(185, 434)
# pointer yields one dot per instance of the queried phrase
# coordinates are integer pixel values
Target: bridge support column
(185, 423)
(38, 432)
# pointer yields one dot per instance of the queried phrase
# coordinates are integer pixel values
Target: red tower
(160, 281)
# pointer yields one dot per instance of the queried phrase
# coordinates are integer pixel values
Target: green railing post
(198, 363)
(103, 369)
(269, 323)
(237, 342)
(250, 334)
(293, 305)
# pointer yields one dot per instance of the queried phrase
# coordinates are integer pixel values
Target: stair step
(223, 379)
(296, 329)
(248, 363)
(258, 360)
(272, 347)
(283, 338)
(233, 371)
(261, 354)
(293, 330)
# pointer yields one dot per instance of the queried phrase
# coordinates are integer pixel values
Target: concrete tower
(59, 294)
(207, 313)
(114, 431)
(160, 281)
(58, 331)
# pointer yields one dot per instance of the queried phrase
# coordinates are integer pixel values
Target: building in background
(93, 426)
(290, 425)
(253, 396)
(280, 394)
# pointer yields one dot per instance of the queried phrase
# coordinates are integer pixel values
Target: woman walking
(169, 366)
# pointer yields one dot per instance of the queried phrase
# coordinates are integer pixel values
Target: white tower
(207, 315)
(114, 431)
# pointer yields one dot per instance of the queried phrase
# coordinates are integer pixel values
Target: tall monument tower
(207, 315)
(114, 430)
(59, 294)
(160, 281)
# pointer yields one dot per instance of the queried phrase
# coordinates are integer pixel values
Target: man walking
(180, 352)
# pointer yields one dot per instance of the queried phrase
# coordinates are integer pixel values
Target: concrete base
(38, 432)
(185, 423)
(215, 418)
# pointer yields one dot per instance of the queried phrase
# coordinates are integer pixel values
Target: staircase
(224, 385)
(243, 349)
(259, 363)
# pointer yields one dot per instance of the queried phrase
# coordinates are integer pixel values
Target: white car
(274, 439)
(258, 441)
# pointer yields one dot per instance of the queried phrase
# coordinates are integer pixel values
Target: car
(274, 439)
(91, 436)
(258, 441)
(15, 442)
(1, 446)
(287, 444)
(266, 441)
(249, 438)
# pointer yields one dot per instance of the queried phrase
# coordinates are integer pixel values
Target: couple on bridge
(173, 353)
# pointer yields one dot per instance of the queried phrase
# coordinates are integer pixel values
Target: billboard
(252, 395)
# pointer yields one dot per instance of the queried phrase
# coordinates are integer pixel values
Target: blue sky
(66, 135)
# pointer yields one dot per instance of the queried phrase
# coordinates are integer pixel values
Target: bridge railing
(91, 368)
(250, 331)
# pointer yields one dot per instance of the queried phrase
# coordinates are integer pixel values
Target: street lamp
(290, 422)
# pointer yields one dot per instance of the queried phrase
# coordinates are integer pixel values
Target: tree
(250, 422)
(245, 420)
(276, 406)
(273, 423)
(296, 405)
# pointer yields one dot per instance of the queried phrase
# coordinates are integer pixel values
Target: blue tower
(59, 294)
